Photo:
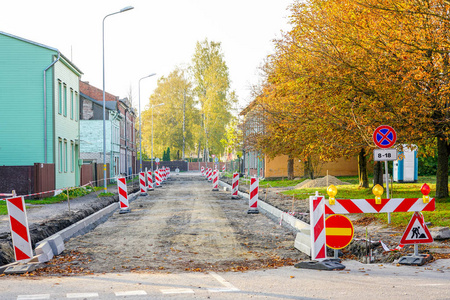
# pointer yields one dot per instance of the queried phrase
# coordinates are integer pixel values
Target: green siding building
(39, 119)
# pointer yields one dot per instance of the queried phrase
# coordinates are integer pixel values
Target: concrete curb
(302, 239)
(54, 244)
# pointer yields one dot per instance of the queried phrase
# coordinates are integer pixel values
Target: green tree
(175, 123)
(212, 88)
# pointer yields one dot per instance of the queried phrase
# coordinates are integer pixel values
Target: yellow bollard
(332, 191)
(377, 191)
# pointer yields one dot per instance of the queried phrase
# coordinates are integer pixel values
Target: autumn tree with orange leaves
(347, 67)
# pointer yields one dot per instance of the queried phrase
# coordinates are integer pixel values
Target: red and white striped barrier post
(210, 171)
(253, 201)
(317, 223)
(215, 181)
(123, 195)
(168, 172)
(150, 181)
(235, 186)
(142, 183)
(157, 179)
(224, 167)
(164, 174)
(206, 173)
(203, 171)
(19, 228)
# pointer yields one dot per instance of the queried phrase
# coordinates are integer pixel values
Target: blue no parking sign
(384, 136)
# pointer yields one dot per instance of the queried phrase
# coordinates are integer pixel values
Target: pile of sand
(320, 182)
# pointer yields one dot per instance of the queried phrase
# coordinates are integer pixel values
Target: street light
(104, 101)
(140, 132)
(153, 106)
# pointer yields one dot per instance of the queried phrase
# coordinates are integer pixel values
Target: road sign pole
(387, 188)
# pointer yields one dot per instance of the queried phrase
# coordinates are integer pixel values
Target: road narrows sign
(384, 136)
(338, 231)
(416, 232)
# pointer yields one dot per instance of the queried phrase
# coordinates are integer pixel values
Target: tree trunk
(442, 168)
(290, 168)
(309, 168)
(378, 173)
(362, 169)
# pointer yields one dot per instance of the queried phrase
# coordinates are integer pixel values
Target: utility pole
(184, 123)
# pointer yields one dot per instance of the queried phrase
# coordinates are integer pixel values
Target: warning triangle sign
(416, 232)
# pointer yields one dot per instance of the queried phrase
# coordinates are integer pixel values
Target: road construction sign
(416, 232)
(338, 231)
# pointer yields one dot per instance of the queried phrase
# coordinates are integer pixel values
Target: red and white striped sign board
(142, 183)
(357, 206)
(123, 193)
(203, 171)
(210, 174)
(235, 186)
(150, 181)
(215, 180)
(317, 221)
(253, 201)
(157, 178)
(223, 167)
(19, 228)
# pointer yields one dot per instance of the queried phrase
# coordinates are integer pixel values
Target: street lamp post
(153, 106)
(104, 101)
(140, 132)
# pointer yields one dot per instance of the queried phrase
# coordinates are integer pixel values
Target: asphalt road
(358, 281)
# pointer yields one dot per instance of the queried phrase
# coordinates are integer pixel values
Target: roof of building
(111, 105)
(43, 46)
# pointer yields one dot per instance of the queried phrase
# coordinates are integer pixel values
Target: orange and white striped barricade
(202, 170)
(215, 180)
(253, 201)
(157, 178)
(123, 195)
(142, 183)
(235, 186)
(149, 181)
(20, 232)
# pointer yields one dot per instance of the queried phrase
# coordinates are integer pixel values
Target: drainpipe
(45, 106)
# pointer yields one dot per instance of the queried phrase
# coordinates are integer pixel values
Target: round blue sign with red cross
(384, 136)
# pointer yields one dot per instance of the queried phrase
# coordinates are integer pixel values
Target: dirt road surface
(183, 226)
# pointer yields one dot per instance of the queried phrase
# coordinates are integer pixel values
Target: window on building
(65, 156)
(71, 103)
(72, 151)
(60, 156)
(59, 97)
(65, 99)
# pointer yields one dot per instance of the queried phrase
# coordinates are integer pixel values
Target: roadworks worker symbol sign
(416, 232)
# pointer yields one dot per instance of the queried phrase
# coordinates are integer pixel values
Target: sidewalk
(42, 212)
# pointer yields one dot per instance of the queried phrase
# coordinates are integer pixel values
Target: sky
(154, 37)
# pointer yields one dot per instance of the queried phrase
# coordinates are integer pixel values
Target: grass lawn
(439, 217)
(73, 193)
